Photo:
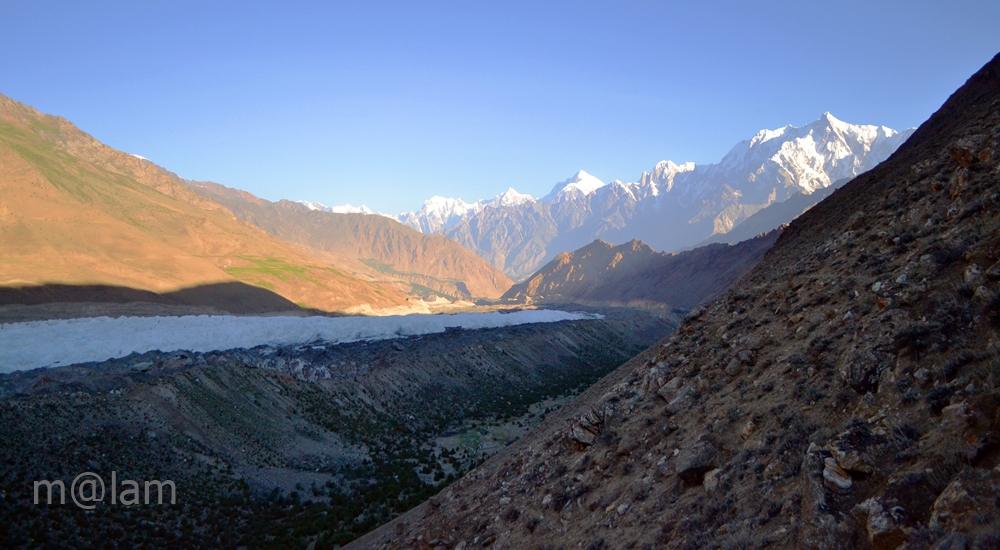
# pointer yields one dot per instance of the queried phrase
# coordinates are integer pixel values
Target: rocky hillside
(843, 395)
(377, 246)
(634, 274)
(74, 211)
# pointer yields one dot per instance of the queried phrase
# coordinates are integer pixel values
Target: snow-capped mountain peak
(341, 209)
(661, 179)
(439, 213)
(578, 186)
(671, 206)
(510, 197)
(767, 135)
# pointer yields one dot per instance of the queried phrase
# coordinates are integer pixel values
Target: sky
(389, 103)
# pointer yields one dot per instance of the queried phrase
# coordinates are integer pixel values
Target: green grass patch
(271, 267)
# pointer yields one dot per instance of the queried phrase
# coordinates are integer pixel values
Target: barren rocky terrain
(842, 395)
(288, 446)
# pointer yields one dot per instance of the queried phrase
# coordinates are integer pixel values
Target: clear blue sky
(389, 103)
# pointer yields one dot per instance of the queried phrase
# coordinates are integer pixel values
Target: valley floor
(289, 444)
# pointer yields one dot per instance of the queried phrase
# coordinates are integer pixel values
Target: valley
(795, 346)
(303, 443)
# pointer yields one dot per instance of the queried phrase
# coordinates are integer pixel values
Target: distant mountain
(671, 207)
(373, 246)
(601, 274)
(773, 216)
(439, 213)
(342, 209)
(80, 220)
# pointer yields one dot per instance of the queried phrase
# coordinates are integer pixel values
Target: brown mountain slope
(843, 395)
(633, 273)
(74, 211)
(386, 248)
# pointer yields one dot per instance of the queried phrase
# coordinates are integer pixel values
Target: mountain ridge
(376, 245)
(671, 207)
(602, 274)
(76, 212)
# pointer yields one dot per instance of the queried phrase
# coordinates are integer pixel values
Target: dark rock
(861, 368)
(993, 272)
(693, 462)
(733, 368)
(883, 521)
(951, 541)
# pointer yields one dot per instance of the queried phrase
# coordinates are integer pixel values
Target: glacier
(39, 344)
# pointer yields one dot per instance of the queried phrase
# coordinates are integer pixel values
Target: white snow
(510, 197)
(439, 213)
(38, 344)
(341, 209)
(140, 157)
(580, 185)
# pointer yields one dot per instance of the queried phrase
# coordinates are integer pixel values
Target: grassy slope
(75, 211)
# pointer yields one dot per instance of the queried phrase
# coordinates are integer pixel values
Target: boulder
(968, 503)
(883, 521)
(851, 449)
(973, 274)
(993, 272)
(694, 461)
(835, 478)
(951, 541)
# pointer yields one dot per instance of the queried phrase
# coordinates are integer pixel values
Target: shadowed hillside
(37, 302)
(633, 273)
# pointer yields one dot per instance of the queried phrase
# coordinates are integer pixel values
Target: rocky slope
(673, 206)
(287, 446)
(374, 245)
(843, 395)
(74, 211)
(634, 274)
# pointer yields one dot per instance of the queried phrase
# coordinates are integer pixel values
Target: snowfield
(38, 344)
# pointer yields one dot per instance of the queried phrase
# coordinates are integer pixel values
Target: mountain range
(375, 246)
(671, 207)
(81, 215)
